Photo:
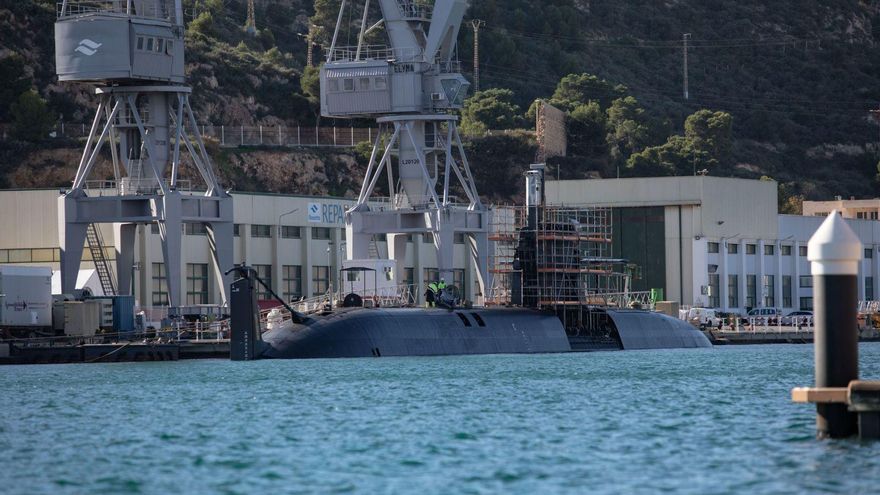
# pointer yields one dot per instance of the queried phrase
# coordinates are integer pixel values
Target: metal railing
(151, 9)
(130, 187)
(375, 52)
(247, 136)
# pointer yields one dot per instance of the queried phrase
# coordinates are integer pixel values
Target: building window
(236, 230)
(348, 84)
(802, 251)
(786, 291)
(430, 275)
(321, 233)
(869, 288)
(459, 237)
(149, 44)
(869, 253)
(458, 280)
(785, 250)
(196, 283)
(733, 291)
(320, 280)
(291, 232)
(806, 281)
(806, 304)
(261, 231)
(140, 43)
(292, 282)
(160, 285)
(768, 284)
(751, 249)
(380, 83)
(195, 229)
(732, 248)
(874, 215)
(265, 274)
(751, 291)
(769, 249)
(713, 247)
(409, 280)
(154, 228)
(862, 215)
(428, 238)
(714, 288)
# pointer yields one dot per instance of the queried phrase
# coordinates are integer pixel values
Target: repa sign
(323, 213)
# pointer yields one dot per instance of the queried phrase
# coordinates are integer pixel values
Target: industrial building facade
(706, 241)
(716, 242)
(296, 243)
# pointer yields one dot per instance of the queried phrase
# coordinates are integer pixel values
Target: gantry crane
(412, 86)
(133, 50)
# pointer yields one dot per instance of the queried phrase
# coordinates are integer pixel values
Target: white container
(82, 318)
(25, 296)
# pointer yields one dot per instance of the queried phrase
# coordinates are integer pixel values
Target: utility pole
(876, 115)
(476, 23)
(685, 39)
(251, 24)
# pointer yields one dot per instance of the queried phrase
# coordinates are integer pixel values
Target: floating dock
(23, 353)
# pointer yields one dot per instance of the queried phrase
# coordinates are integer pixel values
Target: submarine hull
(351, 333)
(359, 332)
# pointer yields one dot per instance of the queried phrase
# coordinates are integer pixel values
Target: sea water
(679, 421)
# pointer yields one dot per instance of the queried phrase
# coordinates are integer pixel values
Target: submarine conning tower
(133, 51)
(412, 85)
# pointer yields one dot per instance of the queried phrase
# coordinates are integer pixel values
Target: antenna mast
(476, 23)
(685, 39)
(251, 24)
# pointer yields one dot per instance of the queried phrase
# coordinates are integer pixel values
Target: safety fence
(248, 136)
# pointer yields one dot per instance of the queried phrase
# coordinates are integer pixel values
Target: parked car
(798, 317)
(763, 316)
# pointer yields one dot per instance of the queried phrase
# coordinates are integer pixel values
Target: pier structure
(133, 51)
(412, 86)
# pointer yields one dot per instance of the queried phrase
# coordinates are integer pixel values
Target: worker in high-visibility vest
(431, 295)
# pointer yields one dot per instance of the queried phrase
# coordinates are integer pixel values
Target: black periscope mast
(555, 290)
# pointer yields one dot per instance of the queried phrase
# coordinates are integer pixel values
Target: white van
(702, 317)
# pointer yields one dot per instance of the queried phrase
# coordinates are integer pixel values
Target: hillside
(796, 79)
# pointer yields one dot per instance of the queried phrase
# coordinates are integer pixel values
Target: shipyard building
(719, 242)
(704, 241)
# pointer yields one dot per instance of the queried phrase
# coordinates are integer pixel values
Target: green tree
(203, 25)
(31, 118)
(310, 83)
(711, 132)
(587, 127)
(13, 82)
(489, 109)
(628, 131)
(577, 89)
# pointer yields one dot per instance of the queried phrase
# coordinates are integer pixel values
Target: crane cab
(106, 41)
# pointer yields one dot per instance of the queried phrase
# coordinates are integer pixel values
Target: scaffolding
(563, 258)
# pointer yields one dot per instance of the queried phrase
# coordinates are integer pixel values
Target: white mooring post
(835, 252)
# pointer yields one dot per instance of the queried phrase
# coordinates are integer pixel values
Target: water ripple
(704, 422)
